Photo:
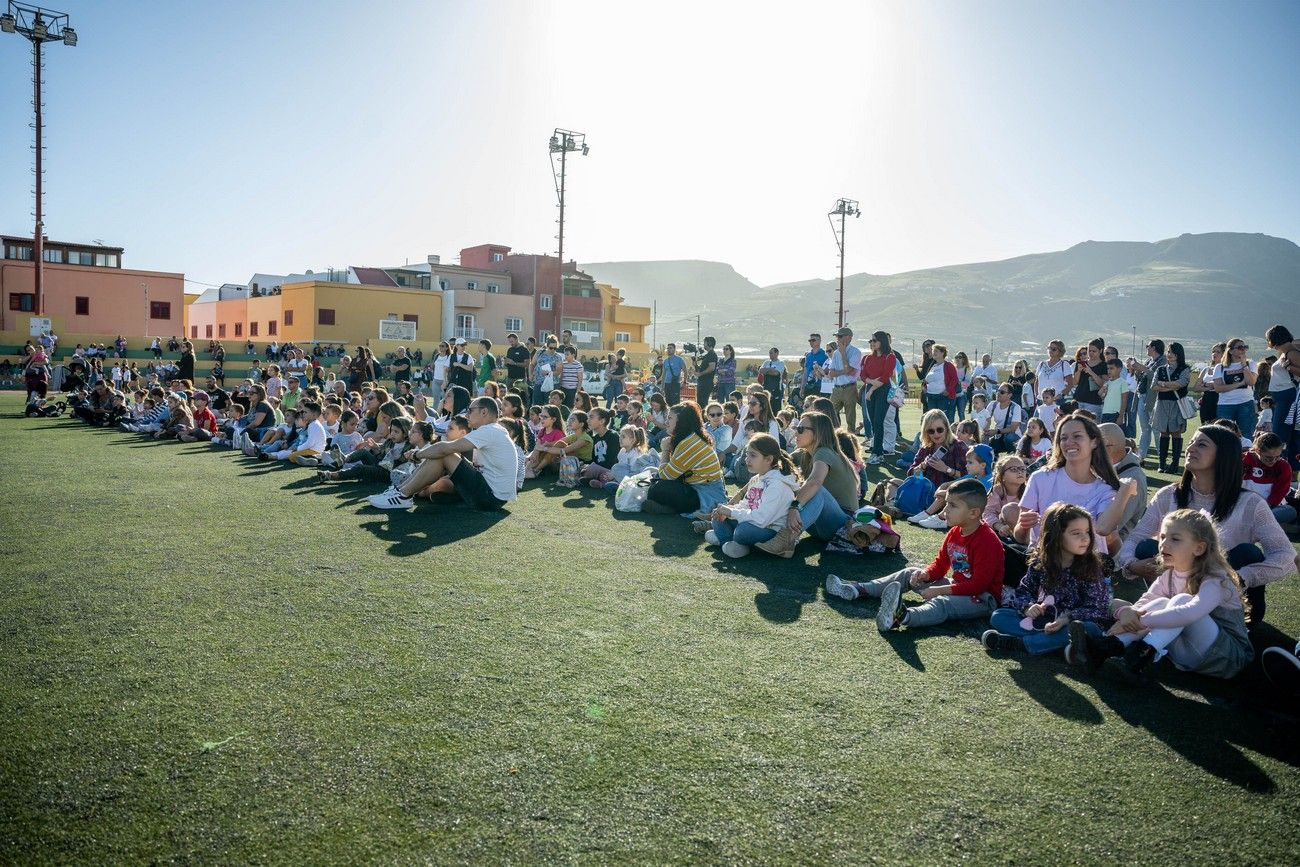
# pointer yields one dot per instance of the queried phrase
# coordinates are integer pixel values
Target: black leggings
(676, 494)
(365, 472)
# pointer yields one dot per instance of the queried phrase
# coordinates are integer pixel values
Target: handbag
(1187, 408)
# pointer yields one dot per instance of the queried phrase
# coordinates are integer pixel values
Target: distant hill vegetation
(1198, 288)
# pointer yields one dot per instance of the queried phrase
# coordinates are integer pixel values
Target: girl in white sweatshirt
(756, 513)
(1193, 613)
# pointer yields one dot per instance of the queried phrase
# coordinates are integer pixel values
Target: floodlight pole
(562, 142)
(843, 208)
(38, 26)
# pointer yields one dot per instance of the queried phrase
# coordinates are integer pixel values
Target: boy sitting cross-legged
(971, 550)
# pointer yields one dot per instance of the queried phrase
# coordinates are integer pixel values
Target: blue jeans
(822, 516)
(943, 402)
(743, 533)
(876, 409)
(1144, 408)
(1285, 513)
(1242, 413)
(1037, 642)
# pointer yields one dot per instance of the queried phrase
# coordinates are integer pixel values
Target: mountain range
(1197, 288)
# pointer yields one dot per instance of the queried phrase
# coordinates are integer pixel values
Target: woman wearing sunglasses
(1234, 380)
(941, 457)
(829, 493)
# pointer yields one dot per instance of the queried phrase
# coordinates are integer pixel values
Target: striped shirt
(572, 377)
(694, 461)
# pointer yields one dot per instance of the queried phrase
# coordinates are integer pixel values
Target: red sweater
(879, 367)
(1271, 483)
(976, 561)
(205, 420)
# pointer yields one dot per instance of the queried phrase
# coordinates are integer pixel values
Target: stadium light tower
(564, 142)
(844, 208)
(38, 26)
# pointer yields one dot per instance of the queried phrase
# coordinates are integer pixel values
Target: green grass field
(210, 659)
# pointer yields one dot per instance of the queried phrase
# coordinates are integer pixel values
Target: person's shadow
(415, 531)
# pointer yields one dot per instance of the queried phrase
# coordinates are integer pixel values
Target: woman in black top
(1210, 397)
(1090, 377)
(1169, 382)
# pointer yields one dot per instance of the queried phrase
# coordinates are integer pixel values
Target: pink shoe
(597, 484)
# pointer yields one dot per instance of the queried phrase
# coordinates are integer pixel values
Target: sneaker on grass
(843, 589)
(892, 611)
(996, 643)
(735, 550)
(391, 500)
(1283, 668)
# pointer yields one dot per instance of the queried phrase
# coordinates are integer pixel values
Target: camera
(690, 349)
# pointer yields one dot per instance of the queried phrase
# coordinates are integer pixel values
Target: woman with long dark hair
(1169, 381)
(829, 493)
(1256, 545)
(727, 374)
(877, 372)
(690, 476)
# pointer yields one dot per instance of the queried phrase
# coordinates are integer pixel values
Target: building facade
(623, 325)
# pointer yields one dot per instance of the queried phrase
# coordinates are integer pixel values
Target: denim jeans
(943, 402)
(822, 516)
(1242, 413)
(743, 532)
(1146, 404)
(876, 410)
(1285, 513)
(1037, 642)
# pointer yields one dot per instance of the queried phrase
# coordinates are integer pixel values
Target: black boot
(1090, 651)
(1164, 453)
(1177, 455)
(1134, 666)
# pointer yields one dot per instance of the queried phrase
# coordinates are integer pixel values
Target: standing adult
(773, 376)
(616, 377)
(987, 369)
(1282, 380)
(813, 361)
(487, 364)
(463, 369)
(401, 367)
(674, 368)
(877, 372)
(1054, 372)
(1203, 384)
(727, 376)
(441, 373)
(185, 368)
(941, 382)
(842, 369)
(517, 356)
(1090, 377)
(546, 370)
(1169, 382)
(1256, 545)
(922, 369)
(1145, 373)
(706, 372)
(965, 379)
(1234, 381)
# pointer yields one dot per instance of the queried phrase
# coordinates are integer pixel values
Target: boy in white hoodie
(756, 513)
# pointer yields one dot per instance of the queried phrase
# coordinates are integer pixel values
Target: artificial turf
(210, 659)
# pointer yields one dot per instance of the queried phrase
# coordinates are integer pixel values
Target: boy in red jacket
(1265, 473)
(971, 550)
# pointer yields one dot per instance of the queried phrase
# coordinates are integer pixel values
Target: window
(444, 285)
(83, 305)
(498, 257)
(622, 337)
(252, 329)
(325, 316)
(207, 332)
(160, 310)
(288, 318)
(194, 332)
(514, 323)
(494, 288)
(106, 260)
(271, 327)
(545, 302)
(55, 256)
(22, 301)
(221, 332)
(411, 317)
(239, 329)
(471, 284)
(80, 257)
(464, 321)
(18, 251)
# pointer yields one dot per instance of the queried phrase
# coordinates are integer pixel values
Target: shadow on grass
(417, 531)
(1195, 726)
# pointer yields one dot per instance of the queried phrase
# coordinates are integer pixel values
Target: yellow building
(624, 325)
(316, 311)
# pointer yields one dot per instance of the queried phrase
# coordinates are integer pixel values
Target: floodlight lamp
(39, 30)
(69, 36)
(555, 142)
(585, 150)
(8, 23)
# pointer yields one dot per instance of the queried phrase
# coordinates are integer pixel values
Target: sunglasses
(936, 430)
(1239, 346)
(715, 415)
(814, 340)
(1015, 469)
(801, 429)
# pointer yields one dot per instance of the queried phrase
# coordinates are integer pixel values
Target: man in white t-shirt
(483, 465)
(986, 369)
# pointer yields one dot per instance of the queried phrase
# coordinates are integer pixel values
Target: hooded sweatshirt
(767, 499)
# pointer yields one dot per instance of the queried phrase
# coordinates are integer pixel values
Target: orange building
(88, 294)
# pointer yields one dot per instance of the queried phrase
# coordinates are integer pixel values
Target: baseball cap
(846, 331)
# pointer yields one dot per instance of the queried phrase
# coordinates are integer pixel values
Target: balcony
(470, 333)
(587, 338)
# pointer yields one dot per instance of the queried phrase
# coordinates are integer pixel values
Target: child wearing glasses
(718, 428)
(1003, 508)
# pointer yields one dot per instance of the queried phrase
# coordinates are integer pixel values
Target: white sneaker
(874, 460)
(917, 518)
(711, 537)
(391, 500)
(934, 522)
(735, 549)
(842, 589)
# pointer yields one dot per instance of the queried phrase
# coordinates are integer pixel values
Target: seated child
(205, 420)
(374, 463)
(1193, 613)
(231, 427)
(516, 429)
(971, 550)
(1036, 444)
(1267, 474)
(757, 511)
(307, 448)
(278, 436)
(1064, 584)
(551, 433)
(620, 411)
(1002, 512)
(739, 470)
(634, 456)
(968, 431)
(979, 463)
(718, 429)
(604, 448)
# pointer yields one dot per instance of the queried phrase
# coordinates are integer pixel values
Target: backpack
(914, 495)
(568, 472)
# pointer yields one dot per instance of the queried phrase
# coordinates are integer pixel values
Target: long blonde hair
(936, 415)
(1211, 564)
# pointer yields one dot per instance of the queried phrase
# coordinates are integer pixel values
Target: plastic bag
(633, 491)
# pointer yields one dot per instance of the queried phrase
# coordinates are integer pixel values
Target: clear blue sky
(225, 138)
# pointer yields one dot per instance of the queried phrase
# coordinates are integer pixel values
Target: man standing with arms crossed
(674, 366)
(842, 370)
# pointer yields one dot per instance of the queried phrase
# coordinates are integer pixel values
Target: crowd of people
(1037, 477)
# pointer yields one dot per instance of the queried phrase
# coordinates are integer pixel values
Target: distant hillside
(1196, 287)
